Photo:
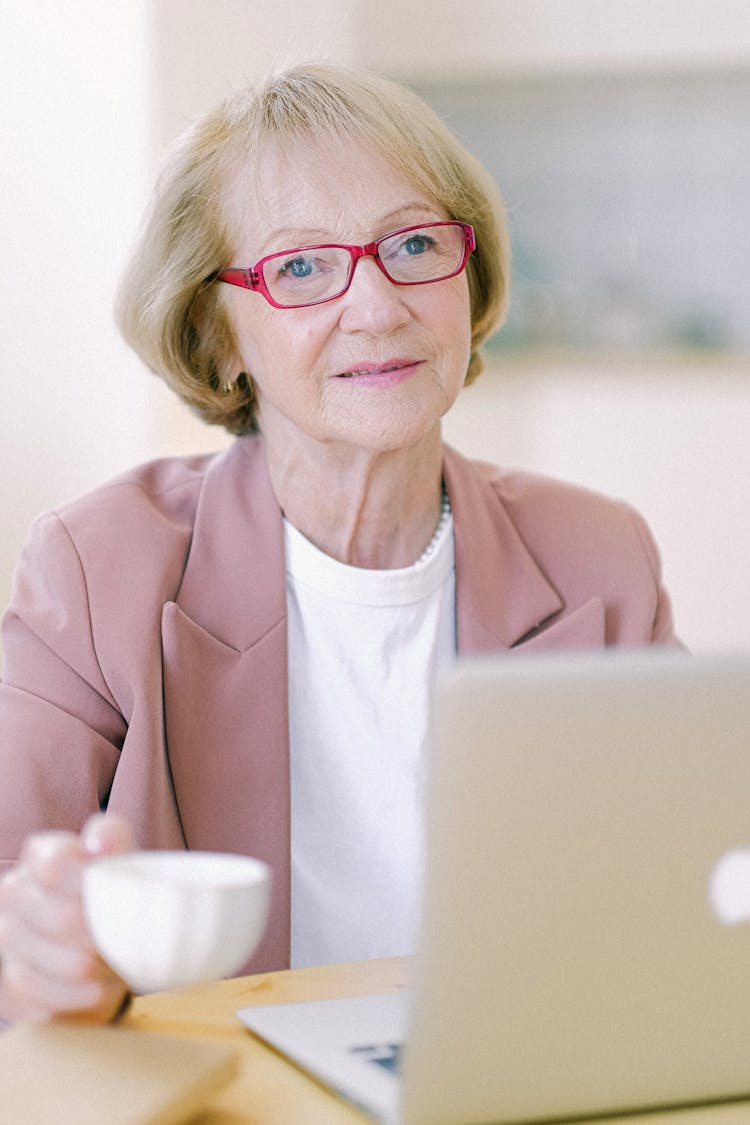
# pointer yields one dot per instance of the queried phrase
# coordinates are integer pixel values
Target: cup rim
(159, 864)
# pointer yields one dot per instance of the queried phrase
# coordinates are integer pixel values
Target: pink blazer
(145, 645)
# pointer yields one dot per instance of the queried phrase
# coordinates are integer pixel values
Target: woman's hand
(49, 968)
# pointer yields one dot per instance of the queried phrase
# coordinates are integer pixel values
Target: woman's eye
(417, 244)
(297, 268)
(414, 245)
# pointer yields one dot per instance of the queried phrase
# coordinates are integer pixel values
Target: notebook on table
(76, 1074)
(585, 937)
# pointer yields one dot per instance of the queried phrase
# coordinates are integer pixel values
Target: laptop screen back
(584, 943)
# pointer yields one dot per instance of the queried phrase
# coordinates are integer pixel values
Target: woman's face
(375, 368)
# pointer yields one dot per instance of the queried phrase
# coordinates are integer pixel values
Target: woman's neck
(366, 508)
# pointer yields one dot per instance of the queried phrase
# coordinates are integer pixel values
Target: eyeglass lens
(318, 273)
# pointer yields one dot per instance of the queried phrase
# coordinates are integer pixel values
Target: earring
(241, 383)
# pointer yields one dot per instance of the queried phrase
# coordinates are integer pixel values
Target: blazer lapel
(225, 677)
(503, 600)
(584, 628)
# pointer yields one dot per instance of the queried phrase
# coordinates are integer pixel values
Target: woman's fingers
(107, 834)
(53, 861)
(35, 994)
(48, 964)
(47, 933)
(38, 905)
(46, 960)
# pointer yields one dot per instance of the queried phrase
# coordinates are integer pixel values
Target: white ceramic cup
(165, 919)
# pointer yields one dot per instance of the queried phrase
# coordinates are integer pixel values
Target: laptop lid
(585, 945)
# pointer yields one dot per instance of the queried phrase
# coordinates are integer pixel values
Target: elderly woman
(237, 652)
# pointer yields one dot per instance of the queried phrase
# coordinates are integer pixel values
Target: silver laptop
(585, 937)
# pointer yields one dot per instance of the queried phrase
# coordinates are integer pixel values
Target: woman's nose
(372, 302)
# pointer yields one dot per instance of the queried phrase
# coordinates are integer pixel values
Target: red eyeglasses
(310, 275)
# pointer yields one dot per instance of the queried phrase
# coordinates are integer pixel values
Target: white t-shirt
(364, 646)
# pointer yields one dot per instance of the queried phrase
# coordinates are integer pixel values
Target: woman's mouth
(382, 374)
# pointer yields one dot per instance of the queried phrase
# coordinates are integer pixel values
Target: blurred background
(620, 134)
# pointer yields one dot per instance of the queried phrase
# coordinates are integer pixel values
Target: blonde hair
(170, 310)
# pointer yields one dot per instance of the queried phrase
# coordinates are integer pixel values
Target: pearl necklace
(445, 511)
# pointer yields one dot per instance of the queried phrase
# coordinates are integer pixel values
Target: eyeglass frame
(251, 277)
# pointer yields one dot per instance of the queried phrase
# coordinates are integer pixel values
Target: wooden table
(268, 1090)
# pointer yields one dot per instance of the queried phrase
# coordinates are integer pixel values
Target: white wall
(92, 91)
(74, 120)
